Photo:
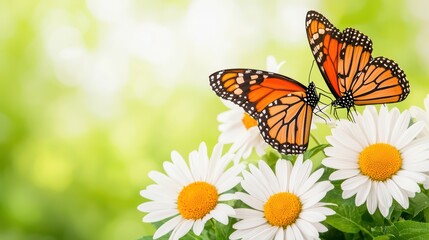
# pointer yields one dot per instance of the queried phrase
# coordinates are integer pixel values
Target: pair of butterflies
(283, 107)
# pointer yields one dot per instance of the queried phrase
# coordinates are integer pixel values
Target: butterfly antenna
(324, 91)
(311, 69)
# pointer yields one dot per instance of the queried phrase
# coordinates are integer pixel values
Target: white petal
(406, 183)
(254, 187)
(221, 213)
(158, 193)
(400, 127)
(164, 180)
(156, 216)
(345, 141)
(174, 173)
(422, 166)
(397, 193)
(195, 165)
(320, 227)
(182, 229)
(283, 171)
(296, 232)
(363, 193)
(409, 134)
(370, 124)
(226, 209)
(156, 206)
(167, 226)
(354, 182)
(383, 125)
(343, 174)
(371, 202)
(300, 172)
(415, 176)
(316, 193)
(198, 226)
(251, 201)
(349, 193)
(269, 176)
(383, 210)
(312, 216)
(249, 223)
(247, 234)
(267, 233)
(290, 235)
(341, 153)
(280, 234)
(336, 163)
(383, 195)
(306, 228)
(262, 181)
(229, 179)
(314, 177)
(244, 213)
(182, 169)
(227, 197)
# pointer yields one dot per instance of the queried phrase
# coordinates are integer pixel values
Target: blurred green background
(95, 94)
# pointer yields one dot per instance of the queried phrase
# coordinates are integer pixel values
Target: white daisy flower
(190, 196)
(422, 115)
(284, 204)
(379, 158)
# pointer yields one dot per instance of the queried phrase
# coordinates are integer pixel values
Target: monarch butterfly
(352, 75)
(282, 106)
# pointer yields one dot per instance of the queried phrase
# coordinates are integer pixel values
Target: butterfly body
(282, 106)
(353, 76)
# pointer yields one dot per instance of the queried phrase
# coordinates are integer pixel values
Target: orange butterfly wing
(282, 106)
(349, 70)
(285, 123)
(252, 89)
(325, 44)
(355, 54)
(382, 81)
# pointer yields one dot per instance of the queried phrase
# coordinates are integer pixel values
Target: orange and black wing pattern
(381, 81)
(285, 123)
(325, 44)
(351, 73)
(282, 106)
(252, 89)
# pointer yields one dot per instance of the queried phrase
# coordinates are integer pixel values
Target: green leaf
(271, 156)
(311, 152)
(382, 237)
(417, 204)
(409, 230)
(348, 217)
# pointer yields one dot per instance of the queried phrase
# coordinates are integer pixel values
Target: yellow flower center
(196, 200)
(380, 161)
(248, 121)
(282, 209)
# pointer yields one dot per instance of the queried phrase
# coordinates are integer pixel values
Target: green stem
(315, 139)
